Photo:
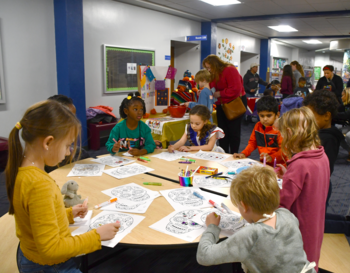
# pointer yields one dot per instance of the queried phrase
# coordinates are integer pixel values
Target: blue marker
(198, 195)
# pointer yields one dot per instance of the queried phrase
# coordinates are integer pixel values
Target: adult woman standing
(287, 82)
(298, 71)
(229, 86)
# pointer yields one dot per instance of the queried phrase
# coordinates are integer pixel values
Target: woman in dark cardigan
(229, 86)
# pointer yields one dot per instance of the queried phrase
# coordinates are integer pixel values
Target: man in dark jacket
(331, 81)
(251, 80)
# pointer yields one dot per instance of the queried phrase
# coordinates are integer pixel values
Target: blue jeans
(27, 266)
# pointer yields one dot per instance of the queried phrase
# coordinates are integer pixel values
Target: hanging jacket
(108, 110)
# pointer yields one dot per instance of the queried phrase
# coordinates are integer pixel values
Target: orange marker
(106, 203)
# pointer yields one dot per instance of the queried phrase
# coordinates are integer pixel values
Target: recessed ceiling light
(283, 28)
(313, 42)
(221, 2)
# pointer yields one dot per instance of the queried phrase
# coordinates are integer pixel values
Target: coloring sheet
(229, 223)
(201, 181)
(171, 156)
(184, 198)
(239, 164)
(131, 192)
(209, 156)
(180, 225)
(128, 206)
(87, 170)
(127, 171)
(127, 223)
(82, 221)
(113, 161)
(279, 182)
(127, 154)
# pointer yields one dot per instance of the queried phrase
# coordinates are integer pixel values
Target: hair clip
(129, 97)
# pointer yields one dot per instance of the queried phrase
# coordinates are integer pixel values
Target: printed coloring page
(87, 170)
(210, 156)
(127, 171)
(201, 181)
(170, 156)
(240, 164)
(113, 161)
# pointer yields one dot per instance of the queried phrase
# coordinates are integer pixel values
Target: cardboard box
(207, 170)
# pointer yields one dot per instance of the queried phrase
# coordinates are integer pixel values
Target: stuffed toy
(71, 198)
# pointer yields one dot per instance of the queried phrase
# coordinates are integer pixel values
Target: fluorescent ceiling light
(221, 2)
(313, 42)
(283, 28)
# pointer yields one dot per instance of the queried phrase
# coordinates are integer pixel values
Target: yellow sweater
(42, 220)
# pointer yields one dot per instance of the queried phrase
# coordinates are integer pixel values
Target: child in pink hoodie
(306, 179)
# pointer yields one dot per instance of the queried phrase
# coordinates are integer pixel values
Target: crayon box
(207, 170)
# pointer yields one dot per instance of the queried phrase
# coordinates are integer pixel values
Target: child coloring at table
(271, 243)
(265, 136)
(306, 179)
(203, 78)
(201, 134)
(131, 134)
(48, 130)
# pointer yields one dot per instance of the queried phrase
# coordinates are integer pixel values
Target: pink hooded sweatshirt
(304, 193)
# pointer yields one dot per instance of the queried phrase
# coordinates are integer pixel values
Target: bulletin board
(317, 72)
(120, 67)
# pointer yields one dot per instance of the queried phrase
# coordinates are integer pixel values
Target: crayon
(152, 183)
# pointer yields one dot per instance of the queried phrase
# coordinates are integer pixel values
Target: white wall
(246, 60)
(306, 57)
(281, 51)
(322, 59)
(241, 43)
(115, 23)
(29, 57)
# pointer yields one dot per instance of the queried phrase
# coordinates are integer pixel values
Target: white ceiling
(316, 26)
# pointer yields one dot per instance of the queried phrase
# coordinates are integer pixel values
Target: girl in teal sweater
(131, 134)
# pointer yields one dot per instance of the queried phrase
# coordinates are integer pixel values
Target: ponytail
(299, 67)
(15, 158)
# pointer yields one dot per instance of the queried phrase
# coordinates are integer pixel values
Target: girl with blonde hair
(306, 179)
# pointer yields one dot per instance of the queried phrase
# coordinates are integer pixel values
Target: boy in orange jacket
(265, 137)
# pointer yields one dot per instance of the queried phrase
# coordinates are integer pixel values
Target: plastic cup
(185, 181)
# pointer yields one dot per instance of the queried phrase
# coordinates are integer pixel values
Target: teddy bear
(71, 198)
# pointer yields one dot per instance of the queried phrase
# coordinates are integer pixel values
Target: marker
(185, 162)
(264, 160)
(86, 201)
(230, 173)
(145, 158)
(106, 203)
(198, 195)
(152, 183)
(145, 161)
(115, 140)
(213, 175)
(217, 206)
(226, 208)
(221, 178)
(196, 170)
(192, 160)
(274, 163)
(216, 215)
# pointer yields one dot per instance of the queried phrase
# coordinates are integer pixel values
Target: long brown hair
(204, 113)
(299, 67)
(46, 118)
(299, 130)
(287, 71)
(216, 66)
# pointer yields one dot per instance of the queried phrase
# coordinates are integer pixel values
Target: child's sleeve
(289, 193)
(115, 133)
(252, 145)
(69, 212)
(149, 142)
(234, 249)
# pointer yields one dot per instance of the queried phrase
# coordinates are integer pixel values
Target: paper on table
(127, 154)
(127, 171)
(82, 221)
(201, 181)
(113, 161)
(234, 165)
(210, 156)
(229, 223)
(184, 198)
(127, 223)
(129, 206)
(180, 225)
(131, 192)
(87, 170)
(170, 156)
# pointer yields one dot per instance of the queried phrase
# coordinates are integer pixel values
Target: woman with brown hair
(298, 70)
(287, 82)
(229, 86)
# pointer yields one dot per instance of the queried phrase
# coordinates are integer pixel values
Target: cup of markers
(185, 181)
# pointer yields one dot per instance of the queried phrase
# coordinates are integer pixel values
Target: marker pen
(198, 195)
(217, 206)
(145, 158)
(106, 203)
(145, 161)
(152, 183)
(226, 208)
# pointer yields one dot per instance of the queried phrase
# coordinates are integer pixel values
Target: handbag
(234, 108)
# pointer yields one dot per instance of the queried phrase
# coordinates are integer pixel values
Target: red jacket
(230, 85)
(304, 192)
(267, 140)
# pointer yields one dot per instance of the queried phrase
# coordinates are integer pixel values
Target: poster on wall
(225, 50)
(346, 67)
(317, 72)
(162, 97)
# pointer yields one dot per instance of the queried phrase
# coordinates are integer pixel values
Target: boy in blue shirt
(203, 78)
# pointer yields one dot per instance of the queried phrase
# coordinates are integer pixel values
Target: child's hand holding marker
(280, 170)
(268, 157)
(116, 146)
(108, 231)
(80, 210)
(213, 218)
(239, 156)
(171, 149)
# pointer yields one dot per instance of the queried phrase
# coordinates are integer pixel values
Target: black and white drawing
(201, 181)
(210, 156)
(87, 170)
(180, 224)
(127, 171)
(240, 164)
(113, 161)
(170, 156)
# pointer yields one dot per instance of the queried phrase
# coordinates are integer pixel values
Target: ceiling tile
(289, 2)
(328, 6)
(299, 8)
(322, 1)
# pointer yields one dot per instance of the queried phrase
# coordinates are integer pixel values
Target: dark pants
(285, 95)
(232, 129)
(336, 224)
